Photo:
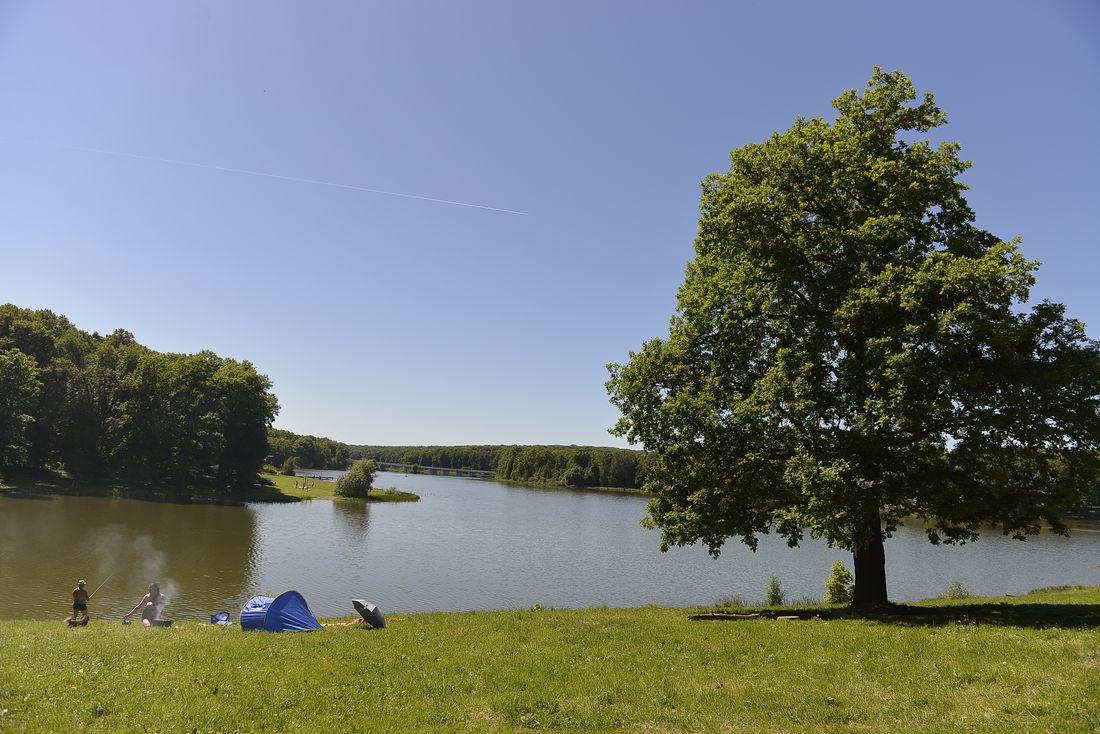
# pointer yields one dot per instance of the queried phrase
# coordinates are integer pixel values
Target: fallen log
(723, 615)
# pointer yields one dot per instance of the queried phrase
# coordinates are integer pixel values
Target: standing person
(152, 604)
(80, 603)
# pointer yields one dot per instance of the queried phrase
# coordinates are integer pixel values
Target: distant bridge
(437, 470)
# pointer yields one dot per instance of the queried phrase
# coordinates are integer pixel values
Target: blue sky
(392, 320)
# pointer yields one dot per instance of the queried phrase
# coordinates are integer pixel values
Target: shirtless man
(80, 603)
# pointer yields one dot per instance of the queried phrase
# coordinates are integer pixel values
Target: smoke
(152, 565)
(105, 550)
(117, 555)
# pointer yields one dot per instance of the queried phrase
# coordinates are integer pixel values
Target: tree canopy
(105, 407)
(850, 350)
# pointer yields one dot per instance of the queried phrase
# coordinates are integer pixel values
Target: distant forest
(107, 408)
(310, 452)
(566, 466)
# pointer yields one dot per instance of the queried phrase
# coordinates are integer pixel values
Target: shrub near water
(838, 587)
(357, 482)
(775, 596)
(956, 590)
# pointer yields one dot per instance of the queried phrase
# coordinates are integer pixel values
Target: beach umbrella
(370, 613)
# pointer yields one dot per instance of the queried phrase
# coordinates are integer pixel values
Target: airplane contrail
(282, 177)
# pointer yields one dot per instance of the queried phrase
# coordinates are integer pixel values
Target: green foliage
(849, 349)
(311, 452)
(357, 482)
(392, 494)
(1045, 590)
(107, 407)
(838, 587)
(956, 590)
(483, 458)
(732, 602)
(774, 596)
(572, 466)
(290, 465)
(565, 466)
(19, 388)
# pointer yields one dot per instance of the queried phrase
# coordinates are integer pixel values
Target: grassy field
(305, 488)
(1032, 666)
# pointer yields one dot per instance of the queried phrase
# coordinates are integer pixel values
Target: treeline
(483, 458)
(106, 407)
(310, 452)
(572, 466)
(566, 466)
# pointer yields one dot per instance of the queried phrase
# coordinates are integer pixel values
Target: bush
(775, 594)
(290, 465)
(838, 587)
(357, 482)
(956, 590)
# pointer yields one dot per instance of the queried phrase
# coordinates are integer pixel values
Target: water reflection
(197, 553)
(352, 518)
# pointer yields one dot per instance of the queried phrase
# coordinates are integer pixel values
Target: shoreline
(933, 610)
(280, 490)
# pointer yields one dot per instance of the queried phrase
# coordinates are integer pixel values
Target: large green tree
(19, 388)
(850, 350)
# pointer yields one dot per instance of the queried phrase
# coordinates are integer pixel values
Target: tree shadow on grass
(1064, 616)
(49, 487)
(1004, 614)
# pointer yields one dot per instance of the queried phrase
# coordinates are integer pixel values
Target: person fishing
(80, 603)
(152, 604)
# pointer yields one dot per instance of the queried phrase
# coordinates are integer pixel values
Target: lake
(467, 545)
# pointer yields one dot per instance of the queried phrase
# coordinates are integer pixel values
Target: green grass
(293, 486)
(632, 670)
(305, 488)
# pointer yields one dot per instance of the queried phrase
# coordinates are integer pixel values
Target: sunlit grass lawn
(306, 488)
(645, 670)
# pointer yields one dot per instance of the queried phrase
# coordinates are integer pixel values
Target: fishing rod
(100, 585)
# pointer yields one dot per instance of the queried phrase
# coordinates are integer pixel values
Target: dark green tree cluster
(309, 452)
(105, 407)
(572, 466)
(850, 350)
(483, 458)
(565, 466)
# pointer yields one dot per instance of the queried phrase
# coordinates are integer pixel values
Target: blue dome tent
(288, 612)
(254, 611)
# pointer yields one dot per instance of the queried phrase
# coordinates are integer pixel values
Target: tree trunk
(869, 557)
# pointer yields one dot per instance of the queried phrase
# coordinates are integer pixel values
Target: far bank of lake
(466, 545)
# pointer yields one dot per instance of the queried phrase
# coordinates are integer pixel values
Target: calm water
(467, 544)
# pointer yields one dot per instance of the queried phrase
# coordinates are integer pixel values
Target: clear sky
(127, 131)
